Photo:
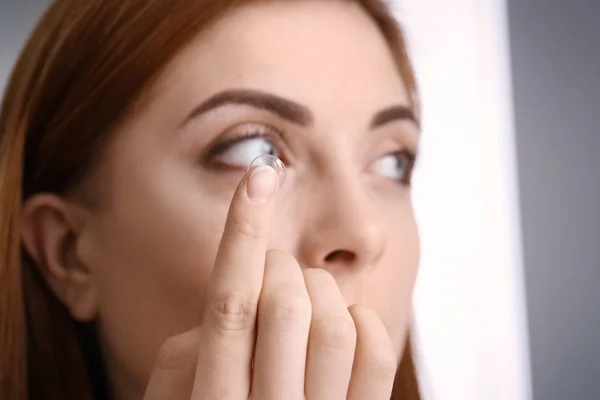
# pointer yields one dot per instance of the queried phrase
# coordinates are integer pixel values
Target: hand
(272, 331)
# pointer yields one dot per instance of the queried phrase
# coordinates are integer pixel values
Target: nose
(341, 232)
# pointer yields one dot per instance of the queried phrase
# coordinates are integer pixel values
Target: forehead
(321, 53)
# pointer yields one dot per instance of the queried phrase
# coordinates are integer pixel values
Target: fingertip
(261, 185)
(369, 325)
(272, 162)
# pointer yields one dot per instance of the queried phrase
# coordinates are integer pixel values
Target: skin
(141, 258)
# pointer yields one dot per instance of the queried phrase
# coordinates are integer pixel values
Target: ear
(52, 231)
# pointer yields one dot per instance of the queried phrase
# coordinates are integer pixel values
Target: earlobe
(51, 228)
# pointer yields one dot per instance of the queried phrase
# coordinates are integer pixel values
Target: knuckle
(243, 227)
(232, 311)
(284, 302)
(284, 310)
(336, 332)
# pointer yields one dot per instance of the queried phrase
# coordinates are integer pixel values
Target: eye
(242, 153)
(245, 147)
(396, 166)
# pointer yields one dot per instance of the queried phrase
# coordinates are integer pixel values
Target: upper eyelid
(245, 126)
(269, 132)
(221, 144)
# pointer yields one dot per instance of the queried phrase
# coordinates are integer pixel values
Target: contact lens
(273, 162)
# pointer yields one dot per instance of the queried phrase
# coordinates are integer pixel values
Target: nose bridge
(342, 228)
(349, 203)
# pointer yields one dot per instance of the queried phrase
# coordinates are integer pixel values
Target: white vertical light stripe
(470, 313)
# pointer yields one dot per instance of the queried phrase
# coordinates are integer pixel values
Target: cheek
(156, 249)
(391, 288)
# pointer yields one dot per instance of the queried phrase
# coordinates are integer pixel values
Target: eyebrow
(289, 110)
(392, 114)
(284, 108)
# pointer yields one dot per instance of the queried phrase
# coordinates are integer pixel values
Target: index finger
(239, 265)
(228, 327)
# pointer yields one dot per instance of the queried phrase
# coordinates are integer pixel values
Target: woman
(139, 260)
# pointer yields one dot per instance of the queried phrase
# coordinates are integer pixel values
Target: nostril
(342, 256)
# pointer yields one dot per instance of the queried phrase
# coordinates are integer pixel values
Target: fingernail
(262, 184)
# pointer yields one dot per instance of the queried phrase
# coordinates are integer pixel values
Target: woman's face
(311, 82)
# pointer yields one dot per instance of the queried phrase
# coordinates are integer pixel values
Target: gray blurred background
(556, 76)
(556, 83)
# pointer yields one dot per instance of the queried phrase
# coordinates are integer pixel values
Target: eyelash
(274, 137)
(268, 133)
